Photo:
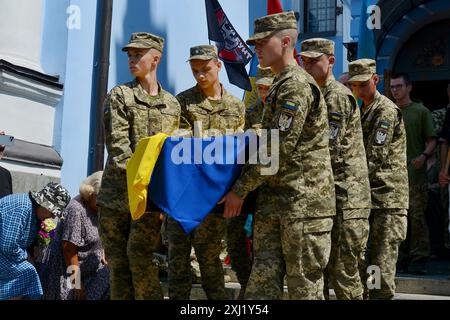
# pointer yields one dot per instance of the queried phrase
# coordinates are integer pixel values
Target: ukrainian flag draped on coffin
(186, 177)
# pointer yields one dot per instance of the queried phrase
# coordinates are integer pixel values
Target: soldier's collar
(206, 104)
(286, 71)
(142, 96)
(375, 99)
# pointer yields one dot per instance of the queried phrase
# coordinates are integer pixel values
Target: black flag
(232, 50)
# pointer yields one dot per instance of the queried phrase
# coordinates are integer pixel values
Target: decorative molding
(33, 154)
(29, 84)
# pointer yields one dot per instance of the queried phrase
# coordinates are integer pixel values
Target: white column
(21, 32)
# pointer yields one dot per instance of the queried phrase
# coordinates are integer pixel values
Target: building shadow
(138, 18)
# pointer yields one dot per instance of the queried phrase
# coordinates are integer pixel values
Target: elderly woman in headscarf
(73, 266)
(20, 217)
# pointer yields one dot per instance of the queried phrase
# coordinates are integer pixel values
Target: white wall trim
(30, 89)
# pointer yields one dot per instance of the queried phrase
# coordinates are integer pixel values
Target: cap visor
(136, 46)
(360, 78)
(258, 36)
(200, 57)
(264, 82)
(311, 54)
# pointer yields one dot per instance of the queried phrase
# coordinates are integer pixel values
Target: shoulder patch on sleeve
(335, 117)
(335, 123)
(290, 105)
(284, 121)
(381, 133)
(384, 125)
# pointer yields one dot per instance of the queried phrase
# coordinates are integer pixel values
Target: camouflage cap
(362, 70)
(264, 76)
(145, 40)
(52, 197)
(315, 47)
(267, 25)
(203, 52)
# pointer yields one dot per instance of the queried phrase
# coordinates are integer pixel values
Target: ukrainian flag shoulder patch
(290, 105)
(335, 117)
(384, 125)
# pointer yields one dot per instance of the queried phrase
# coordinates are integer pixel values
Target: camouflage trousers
(296, 248)
(237, 248)
(207, 242)
(416, 247)
(387, 231)
(348, 247)
(129, 247)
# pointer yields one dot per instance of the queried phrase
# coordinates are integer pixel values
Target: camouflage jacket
(303, 186)
(348, 157)
(385, 142)
(438, 117)
(254, 115)
(195, 106)
(130, 115)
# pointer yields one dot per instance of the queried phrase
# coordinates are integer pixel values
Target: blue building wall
(181, 22)
(77, 96)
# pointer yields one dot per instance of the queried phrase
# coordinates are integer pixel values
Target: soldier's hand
(419, 161)
(443, 179)
(233, 205)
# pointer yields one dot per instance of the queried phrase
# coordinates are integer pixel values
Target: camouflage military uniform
(130, 115)
(438, 117)
(385, 142)
(216, 118)
(348, 159)
(292, 227)
(254, 114)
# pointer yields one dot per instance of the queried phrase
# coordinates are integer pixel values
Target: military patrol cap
(145, 40)
(53, 197)
(362, 70)
(203, 52)
(315, 47)
(267, 25)
(264, 76)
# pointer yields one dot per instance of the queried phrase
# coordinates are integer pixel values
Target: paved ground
(433, 286)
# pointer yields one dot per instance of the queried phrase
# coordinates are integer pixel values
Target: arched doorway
(410, 39)
(425, 56)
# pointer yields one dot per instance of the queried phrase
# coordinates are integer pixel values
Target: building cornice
(30, 84)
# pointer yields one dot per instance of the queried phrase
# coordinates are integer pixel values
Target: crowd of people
(350, 193)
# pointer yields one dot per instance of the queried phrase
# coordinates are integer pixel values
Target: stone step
(232, 290)
(409, 287)
(438, 285)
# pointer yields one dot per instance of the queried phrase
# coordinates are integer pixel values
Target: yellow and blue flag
(185, 177)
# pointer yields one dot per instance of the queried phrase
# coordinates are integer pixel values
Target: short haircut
(404, 76)
(91, 185)
(291, 33)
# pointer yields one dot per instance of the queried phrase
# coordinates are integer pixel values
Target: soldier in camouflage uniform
(211, 111)
(236, 234)
(385, 143)
(133, 111)
(255, 112)
(348, 159)
(296, 204)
